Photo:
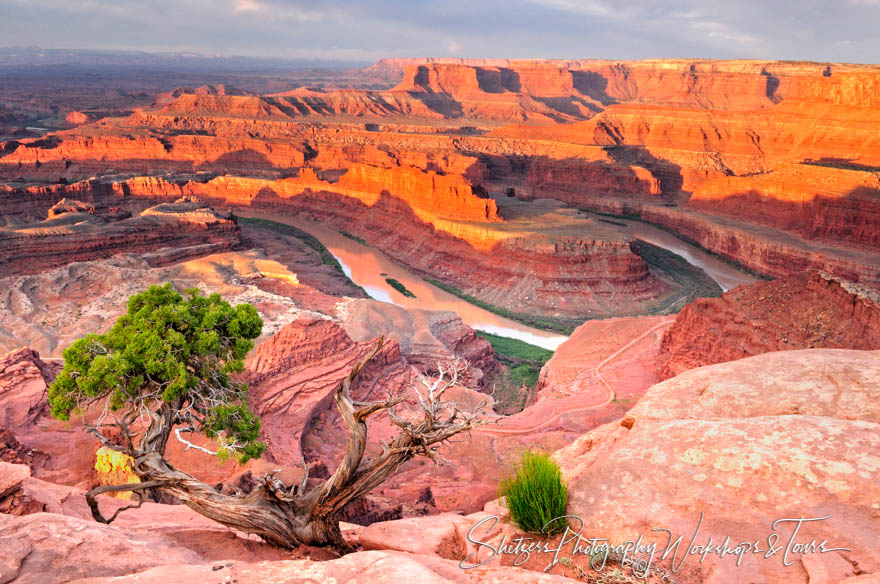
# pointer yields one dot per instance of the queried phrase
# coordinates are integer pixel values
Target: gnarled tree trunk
(284, 515)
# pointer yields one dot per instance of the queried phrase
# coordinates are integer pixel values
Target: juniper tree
(167, 369)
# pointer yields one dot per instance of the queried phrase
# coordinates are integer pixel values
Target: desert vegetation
(535, 494)
(167, 367)
(523, 363)
(397, 285)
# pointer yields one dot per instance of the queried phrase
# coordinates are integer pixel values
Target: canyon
(75, 232)
(696, 241)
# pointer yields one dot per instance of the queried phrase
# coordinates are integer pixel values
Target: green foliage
(516, 350)
(397, 285)
(536, 494)
(523, 363)
(560, 325)
(174, 351)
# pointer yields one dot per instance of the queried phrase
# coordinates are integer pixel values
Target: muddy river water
(725, 274)
(368, 267)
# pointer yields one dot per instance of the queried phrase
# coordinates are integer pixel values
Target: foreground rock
(783, 435)
(44, 548)
(374, 566)
(161, 543)
(803, 311)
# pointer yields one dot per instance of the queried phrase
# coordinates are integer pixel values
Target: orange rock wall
(817, 202)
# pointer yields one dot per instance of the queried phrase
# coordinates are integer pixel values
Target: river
(368, 267)
(725, 274)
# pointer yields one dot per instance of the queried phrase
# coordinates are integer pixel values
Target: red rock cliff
(190, 228)
(803, 311)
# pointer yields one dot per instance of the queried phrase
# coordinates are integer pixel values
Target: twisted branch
(135, 487)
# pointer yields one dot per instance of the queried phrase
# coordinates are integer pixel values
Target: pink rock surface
(435, 535)
(373, 566)
(780, 435)
(24, 380)
(11, 477)
(801, 311)
(44, 548)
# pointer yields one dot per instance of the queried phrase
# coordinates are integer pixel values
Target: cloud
(637, 29)
(588, 7)
(247, 6)
(280, 11)
(452, 46)
(719, 30)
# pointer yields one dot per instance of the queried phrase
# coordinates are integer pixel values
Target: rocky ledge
(803, 311)
(76, 232)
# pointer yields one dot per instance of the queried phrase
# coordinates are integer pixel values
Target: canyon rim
(661, 271)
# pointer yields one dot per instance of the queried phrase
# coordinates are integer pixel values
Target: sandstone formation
(786, 434)
(50, 310)
(724, 142)
(528, 267)
(803, 311)
(70, 235)
(293, 376)
(426, 338)
(759, 249)
(614, 354)
(374, 566)
(45, 543)
(24, 379)
(76, 118)
(817, 201)
(63, 549)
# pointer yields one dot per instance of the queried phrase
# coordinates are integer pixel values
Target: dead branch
(287, 515)
(91, 498)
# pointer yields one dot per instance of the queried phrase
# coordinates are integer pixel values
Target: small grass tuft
(536, 494)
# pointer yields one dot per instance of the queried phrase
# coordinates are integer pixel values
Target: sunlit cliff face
(428, 168)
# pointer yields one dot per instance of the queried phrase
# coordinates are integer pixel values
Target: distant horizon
(823, 31)
(335, 63)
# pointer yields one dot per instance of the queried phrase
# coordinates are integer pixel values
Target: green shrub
(536, 494)
(397, 285)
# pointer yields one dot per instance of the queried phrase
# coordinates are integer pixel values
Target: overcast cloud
(843, 30)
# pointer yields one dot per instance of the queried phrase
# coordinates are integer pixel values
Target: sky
(842, 30)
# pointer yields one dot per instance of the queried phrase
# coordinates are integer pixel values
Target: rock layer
(189, 227)
(804, 311)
